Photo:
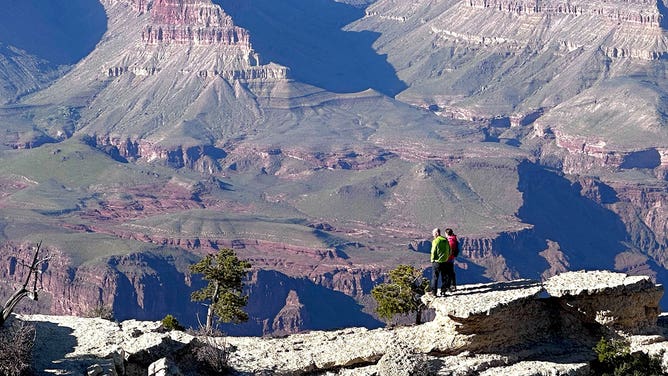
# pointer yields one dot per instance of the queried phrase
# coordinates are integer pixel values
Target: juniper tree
(224, 292)
(401, 294)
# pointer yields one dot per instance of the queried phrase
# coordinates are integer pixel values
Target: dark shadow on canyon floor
(307, 37)
(663, 10)
(60, 31)
(588, 234)
(323, 308)
(151, 285)
(52, 342)
(466, 273)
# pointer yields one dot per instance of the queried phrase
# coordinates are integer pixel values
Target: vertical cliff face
(184, 24)
(150, 285)
(64, 289)
(645, 210)
(191, 21)
(134, 286)
(490, 59)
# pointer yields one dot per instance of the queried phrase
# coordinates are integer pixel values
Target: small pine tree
(401, 295)
(170, 322)
(614, 358)
(224, 292)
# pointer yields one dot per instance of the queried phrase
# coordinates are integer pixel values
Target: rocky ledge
(512, 328)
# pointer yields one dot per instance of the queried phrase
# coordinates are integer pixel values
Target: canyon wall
(150, 285)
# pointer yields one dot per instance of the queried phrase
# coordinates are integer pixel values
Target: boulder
(146, 342)
(164, 367)
(401, 360)
(636, 298)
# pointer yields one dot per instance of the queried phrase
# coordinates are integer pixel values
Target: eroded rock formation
(192, 21)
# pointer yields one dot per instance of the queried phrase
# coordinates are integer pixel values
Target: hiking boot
(453, 289)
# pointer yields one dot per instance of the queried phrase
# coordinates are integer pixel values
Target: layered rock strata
(493, 328)
(195, 21)
(184, 24)
(641, 12)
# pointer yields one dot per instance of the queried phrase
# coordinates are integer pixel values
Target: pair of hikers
(443, 253)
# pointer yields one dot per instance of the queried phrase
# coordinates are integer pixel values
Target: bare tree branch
(24, 291)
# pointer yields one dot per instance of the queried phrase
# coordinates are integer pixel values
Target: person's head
(449, 232)
(436, 232)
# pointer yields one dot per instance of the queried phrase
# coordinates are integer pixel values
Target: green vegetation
(224, 292)
(72, 164)
(222, 225)
(170, 322)
(614, 358)
(401, 295)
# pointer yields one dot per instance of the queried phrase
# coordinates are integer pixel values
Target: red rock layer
(191, 21)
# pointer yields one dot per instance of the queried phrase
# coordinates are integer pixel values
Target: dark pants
(439, 269)
(450, 273)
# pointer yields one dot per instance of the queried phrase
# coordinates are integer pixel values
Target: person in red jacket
(450, 264)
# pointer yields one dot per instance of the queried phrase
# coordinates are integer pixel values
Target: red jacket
(454, 244)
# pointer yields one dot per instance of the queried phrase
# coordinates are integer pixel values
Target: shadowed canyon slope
(322, 141)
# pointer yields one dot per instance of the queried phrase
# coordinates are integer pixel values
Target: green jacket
(440, 249)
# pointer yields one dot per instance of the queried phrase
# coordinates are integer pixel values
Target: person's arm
(433, 250)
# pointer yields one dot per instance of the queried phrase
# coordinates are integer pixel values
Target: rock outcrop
(191, 28)
(641, 12)
(493, 328)
(192, 21)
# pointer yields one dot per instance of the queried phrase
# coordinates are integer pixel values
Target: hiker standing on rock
(440, 253)
(450, 264)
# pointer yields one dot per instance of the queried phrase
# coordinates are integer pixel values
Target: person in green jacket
(440, 253)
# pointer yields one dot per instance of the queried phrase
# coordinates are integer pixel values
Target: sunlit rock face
(192, 21)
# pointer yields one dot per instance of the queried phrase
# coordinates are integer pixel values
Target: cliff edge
(520, 327)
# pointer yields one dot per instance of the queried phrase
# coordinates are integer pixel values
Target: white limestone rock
(636, 298)
(509, 328)
(164, 367)
(401, 360)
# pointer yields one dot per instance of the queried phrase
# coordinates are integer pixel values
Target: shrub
(16, 342)
(171, 323)
(614, 358)
(212, 349)
(401, 295)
